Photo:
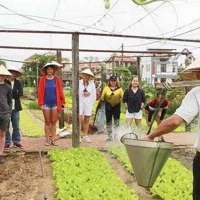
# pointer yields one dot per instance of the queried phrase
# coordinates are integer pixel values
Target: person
(100, 117)
(151, 107)
(112, 95)
(50, 99)
(5, 108)
(134, 99)
(188, 110)
(87, 97)
(17, 92)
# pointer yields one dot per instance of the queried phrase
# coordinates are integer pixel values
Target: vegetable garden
(86, 172)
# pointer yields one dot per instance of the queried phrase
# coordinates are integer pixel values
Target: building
(163, 68)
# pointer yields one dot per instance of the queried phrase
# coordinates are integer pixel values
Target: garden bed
(21, 175)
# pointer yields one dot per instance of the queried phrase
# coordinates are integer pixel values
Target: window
(155, 80)
(173, 67)
(163, 80)
(163, 68)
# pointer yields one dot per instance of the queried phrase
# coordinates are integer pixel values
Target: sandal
(47, 143)
(54, 143)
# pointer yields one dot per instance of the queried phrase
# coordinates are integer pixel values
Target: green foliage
(2, 62)
(125, 76)
(173, 183)
(107, 4)
(33, 105)
(29, 126)
(36, 61)
(144, 2)
(84, 174)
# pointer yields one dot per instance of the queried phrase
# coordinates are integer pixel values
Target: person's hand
(86, 94)
(146, 137)
(41, 107)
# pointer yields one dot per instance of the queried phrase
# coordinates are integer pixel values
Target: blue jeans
(16, 137)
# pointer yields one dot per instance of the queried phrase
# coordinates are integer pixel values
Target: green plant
(173, 183)
(84, 174)
(33, 105)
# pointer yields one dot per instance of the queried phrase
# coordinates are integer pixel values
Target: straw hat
(17, 71)
(89, 72)
(53, 64)
(4, 71)
(192, 72)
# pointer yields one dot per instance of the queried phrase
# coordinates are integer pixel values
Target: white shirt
(90, 88)
(190, 108)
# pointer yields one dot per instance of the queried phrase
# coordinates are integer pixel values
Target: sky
(172, 18)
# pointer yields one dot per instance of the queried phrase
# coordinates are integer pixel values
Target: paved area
(99, 141)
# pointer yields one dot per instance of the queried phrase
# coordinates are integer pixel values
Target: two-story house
(159, 68)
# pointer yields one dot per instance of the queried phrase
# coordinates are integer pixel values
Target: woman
(112, 95)
(87, 97)
(151, 107)
(50, 99)
(5, 108)
(134, 99)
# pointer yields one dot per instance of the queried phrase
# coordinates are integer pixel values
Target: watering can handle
(122, 138)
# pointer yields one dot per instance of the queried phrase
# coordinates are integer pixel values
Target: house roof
(123, 58)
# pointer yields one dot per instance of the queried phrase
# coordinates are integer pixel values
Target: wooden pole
(138, 67)
(75, 90)
(61, 117)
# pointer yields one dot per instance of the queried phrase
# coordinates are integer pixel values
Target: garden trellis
(75, 61)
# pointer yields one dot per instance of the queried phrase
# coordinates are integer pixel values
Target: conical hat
(192, 72)
(18, 72)
(4, 71)
(55, 64)
(89, 72)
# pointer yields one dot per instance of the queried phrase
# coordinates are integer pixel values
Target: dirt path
(21, 178)
(129, 180)
(185, 155)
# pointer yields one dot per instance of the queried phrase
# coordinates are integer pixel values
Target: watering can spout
(147, 158)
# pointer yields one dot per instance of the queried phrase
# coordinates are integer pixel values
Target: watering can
(147, 157)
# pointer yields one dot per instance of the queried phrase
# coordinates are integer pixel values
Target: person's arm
(125, 98)
(166, 126)
(17, 91)
(143, 98)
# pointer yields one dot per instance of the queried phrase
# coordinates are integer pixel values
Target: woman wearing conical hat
(5, 108)
(87, 97)
(50, 99)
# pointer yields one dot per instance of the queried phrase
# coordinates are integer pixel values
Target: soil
(21, 175)
(129, 179)
(184, 154)
(21, 178)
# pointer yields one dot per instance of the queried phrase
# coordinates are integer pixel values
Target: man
(17, 92)
(189, 109)
(5, 108)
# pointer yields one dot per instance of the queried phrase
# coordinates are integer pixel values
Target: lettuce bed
(173, 183)
(84, 174)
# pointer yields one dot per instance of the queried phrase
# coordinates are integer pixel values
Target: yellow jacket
(112, 97)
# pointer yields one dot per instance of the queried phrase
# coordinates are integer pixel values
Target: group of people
(10, 92)
(110, 104)
(51, 100)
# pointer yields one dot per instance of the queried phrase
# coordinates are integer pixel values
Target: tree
(2, 63)
(124, 75)
(32, 67)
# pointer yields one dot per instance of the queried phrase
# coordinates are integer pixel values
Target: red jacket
(163, 105)
(59, 92)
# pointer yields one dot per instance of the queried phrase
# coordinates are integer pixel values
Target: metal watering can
(147, 157)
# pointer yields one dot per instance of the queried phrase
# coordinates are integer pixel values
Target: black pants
(112, 112)
(196, 177)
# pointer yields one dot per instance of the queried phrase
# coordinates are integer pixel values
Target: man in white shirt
(189, 109)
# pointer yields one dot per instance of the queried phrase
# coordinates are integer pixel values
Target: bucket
(147, 158)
